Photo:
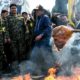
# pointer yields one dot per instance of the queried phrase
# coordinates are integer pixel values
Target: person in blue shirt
(42, 30)
(42, 55)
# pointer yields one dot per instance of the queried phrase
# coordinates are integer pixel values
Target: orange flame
(27, 77)
(17, 78)
(52, 75)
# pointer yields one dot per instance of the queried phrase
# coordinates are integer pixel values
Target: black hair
(24, 13)
(13, 5)
(3, 11)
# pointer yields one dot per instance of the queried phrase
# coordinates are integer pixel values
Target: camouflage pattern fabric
(16, 31)
(2, 25)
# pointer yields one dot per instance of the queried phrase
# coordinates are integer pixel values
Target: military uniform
(16, 31)
(2, 27)
(29, 37)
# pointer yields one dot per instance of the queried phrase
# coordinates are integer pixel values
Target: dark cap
(39, 7)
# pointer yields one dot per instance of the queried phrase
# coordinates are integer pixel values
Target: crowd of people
(27, 37)
(16, 33)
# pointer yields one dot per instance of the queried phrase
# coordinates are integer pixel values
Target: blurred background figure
(29, 23)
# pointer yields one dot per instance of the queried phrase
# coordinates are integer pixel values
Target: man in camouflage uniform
(28, 33)
(4, 13)
(16, 32)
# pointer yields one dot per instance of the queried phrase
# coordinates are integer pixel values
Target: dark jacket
(43, 26)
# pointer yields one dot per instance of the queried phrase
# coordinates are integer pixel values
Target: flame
(52, 75)
(25, 77)
(50, 78)
(17, 78)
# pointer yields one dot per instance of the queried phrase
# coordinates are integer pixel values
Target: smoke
(69, 56)
(75, 50)
(41, 60)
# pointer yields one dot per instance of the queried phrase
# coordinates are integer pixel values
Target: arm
(47, 25)
(7, 37)
(46, 32)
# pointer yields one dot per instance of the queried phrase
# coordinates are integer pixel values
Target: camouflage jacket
(2, 24)
(2, 29)
(2, 36)
(15, 27)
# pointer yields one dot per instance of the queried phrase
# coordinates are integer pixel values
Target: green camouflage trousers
(18, 48)
(1, 49)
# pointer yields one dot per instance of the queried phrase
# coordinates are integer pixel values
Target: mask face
(61, 35)
(59, 43)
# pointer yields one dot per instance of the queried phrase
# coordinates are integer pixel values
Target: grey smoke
(69, 57)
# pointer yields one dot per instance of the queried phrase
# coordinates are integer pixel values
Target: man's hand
(39, 37)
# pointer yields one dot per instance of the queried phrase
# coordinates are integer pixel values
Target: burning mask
(61, 35)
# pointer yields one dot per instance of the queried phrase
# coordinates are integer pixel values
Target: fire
(52, 75)
(17, 78)
(25, 77)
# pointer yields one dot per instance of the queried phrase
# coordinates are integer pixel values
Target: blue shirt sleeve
(47, 25)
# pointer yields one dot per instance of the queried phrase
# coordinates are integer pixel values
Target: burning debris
(51, 75)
